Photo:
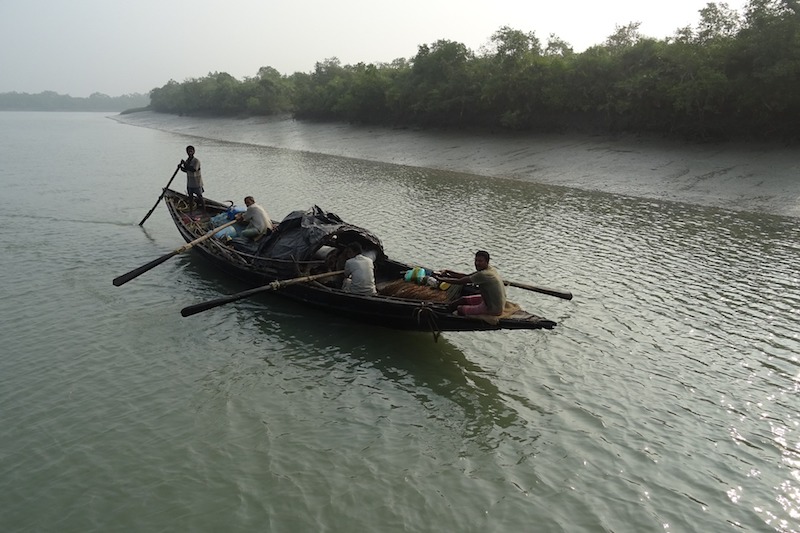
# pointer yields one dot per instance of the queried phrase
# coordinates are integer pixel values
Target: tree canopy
(734, 75)
(52, 101)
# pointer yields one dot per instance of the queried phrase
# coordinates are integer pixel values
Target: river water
(666, 399)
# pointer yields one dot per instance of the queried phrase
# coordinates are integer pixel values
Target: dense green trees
(733, 75)
(52, 101)
(220, 93)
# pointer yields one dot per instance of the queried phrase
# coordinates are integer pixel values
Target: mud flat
(742, 176)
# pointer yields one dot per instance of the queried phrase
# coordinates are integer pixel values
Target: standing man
(194, 181)
(491, 300)
(359, 271)
(259, 221)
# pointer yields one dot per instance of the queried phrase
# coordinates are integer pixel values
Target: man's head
(249, 200)
(354, 249)
(481, 260)
(190, 150)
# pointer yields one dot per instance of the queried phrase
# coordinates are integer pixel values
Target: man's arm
(190, 166)
(453, 278)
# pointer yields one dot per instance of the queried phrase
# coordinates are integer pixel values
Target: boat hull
(381, 310)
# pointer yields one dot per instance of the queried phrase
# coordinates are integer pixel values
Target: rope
(181, 206)
(425, 312)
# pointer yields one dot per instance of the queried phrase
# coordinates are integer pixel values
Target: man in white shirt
(259, 221)
(359, 271)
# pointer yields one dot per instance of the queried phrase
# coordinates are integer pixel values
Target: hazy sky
(79, 47)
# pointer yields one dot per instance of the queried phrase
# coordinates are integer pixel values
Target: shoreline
(755, 177)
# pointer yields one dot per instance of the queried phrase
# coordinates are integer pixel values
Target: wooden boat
(307, 243)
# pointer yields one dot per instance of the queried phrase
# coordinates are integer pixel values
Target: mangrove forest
(733, 75)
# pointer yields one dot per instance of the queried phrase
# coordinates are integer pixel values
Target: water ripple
(664, 399)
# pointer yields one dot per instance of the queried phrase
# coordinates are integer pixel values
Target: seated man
(359, 271)
(491, 300)
(259, 221)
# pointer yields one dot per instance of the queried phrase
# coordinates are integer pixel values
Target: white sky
(117, 47)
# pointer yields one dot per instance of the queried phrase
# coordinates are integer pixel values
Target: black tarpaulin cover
(301, 233)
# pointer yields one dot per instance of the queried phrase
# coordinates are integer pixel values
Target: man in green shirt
(491, 300)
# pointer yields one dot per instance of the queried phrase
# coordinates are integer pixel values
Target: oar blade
(160, 197)
(151, 211)
(125, 278)
(566, 295)
(136, 272)
(190, 310)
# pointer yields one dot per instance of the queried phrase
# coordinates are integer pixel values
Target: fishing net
(404, 289)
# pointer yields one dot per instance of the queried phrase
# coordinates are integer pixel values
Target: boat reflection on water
(307, 353)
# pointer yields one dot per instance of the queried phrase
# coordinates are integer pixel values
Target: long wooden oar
(160, 197)
(544, 290)
(136, 272)
(278, 284)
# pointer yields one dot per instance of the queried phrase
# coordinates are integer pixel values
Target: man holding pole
(194, 180)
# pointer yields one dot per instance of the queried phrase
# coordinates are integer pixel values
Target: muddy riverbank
(740, 176)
